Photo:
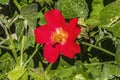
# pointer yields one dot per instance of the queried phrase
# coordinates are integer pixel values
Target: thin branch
(99, 48)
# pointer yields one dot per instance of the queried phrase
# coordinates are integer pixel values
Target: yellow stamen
(59, 36)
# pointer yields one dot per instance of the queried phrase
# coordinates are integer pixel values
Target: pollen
(59, 36)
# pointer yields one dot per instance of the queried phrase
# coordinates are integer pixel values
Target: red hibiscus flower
(58, 36)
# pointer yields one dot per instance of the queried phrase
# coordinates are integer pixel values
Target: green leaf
(73, 8)
(23, 2)
(61, 73)
(116, 29)
(48, 1)
(41, 2)
(94, 67)
(82, 70)
(19, 25)
(97, 6)
(30, 14)
(64, 63)
(110, 18)
(95, 70)
(4, 2)
(30, 1)
(110, 15)
(16, 73)
(38, 74)
(4, 57)
(24, 76)
(29, 42)
(6, 62)
(117, 55)
(109, 70)
(42, 18)
(79, 77)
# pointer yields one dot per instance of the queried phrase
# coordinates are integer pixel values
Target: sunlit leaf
(73, 8)
(29, 13)
(109, 70)
(97, 6)
(110, 17)
(16, 73)
(116, 29)
(64, 73)
(38, 74)
(79, 77)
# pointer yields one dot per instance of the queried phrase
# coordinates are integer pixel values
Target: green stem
(13, 47)
(22, 49)
(101, 63)
(13, 20)
(31, 56)
(4, 47)
(4, 27)
(99, 48)
(17, 4)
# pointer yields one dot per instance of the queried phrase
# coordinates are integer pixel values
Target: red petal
(73, 29)
(70, 49)
(55, 18)
(51, 53)
(42, 34)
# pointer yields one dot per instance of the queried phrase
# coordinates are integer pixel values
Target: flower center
(59, 36)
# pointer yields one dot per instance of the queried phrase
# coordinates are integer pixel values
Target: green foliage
(38, 74)
(29, 13)
(73, 8)
(22, 59)
(42, 18)
(109, 17)
(20, 27)
(28, 42)
(16, 73)
(116, 29)
(6, 64)
(4, 2)
(97, 6)
(112, 11)
(62, 73)
(43, 2)
(25, 2)
(117, 57)
(109, 70)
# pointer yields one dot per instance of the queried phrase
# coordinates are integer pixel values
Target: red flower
(58, 36)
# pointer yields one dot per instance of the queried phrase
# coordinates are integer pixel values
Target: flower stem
(22, 49)
(13, 47)
(17, 4)
(13, 20)
(36, 49)
(4, 47)
(99, 48)
(101, 63)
